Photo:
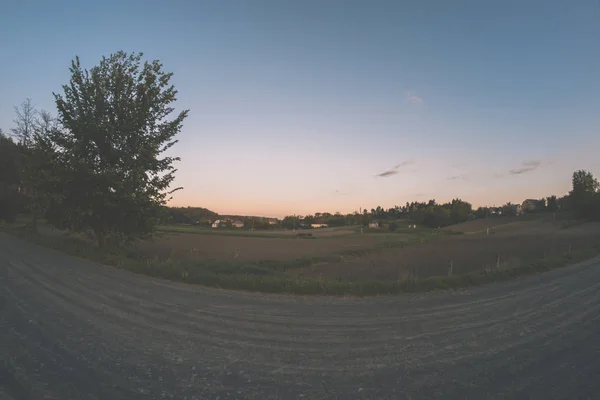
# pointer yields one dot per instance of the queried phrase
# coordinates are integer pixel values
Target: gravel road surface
(72, 329)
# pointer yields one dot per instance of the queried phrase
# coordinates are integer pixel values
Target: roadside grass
(269, 277)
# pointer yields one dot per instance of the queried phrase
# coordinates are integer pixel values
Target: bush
(591, 210)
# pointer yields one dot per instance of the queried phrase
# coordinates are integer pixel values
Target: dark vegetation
(190, 215)
(430, 214)
(583, 200)
(10, 178)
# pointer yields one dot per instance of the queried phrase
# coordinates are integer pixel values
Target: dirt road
(70, 329)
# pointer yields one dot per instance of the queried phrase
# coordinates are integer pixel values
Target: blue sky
(296, 106)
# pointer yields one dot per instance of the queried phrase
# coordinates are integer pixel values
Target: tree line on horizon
(426, 213)
(582, 199)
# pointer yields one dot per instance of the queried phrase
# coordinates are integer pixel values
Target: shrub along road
(70, 328)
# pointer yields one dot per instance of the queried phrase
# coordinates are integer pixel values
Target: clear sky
(297, 106)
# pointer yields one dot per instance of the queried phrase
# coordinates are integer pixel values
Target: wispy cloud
(457, 177)
(413, 98)
(395, 170)
(385, 174)
(526, 166)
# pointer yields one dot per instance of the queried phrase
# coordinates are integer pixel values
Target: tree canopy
(113, 129)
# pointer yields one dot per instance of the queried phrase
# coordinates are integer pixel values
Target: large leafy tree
(114, 128)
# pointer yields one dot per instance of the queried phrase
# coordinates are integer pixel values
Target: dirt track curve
(71, 329)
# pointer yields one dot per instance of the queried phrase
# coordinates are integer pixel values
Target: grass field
(247, 246)
(512, 245)
(343, 260)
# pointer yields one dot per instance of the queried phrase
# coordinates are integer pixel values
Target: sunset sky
(332, 105)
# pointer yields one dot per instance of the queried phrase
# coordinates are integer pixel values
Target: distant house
(272, 221)
(217, 223)
(373, 224)
(529, 205)
(237, 224)
(319, 225)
